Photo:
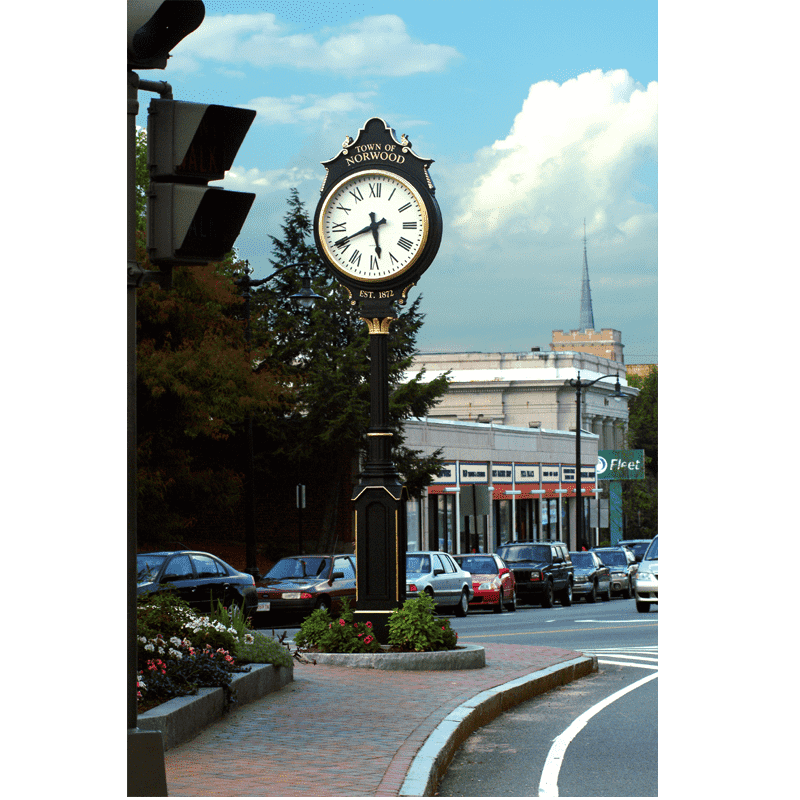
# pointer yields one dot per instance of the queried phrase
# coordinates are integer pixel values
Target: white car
(645, 579)
(436, 574)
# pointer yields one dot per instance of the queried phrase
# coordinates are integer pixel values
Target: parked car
(437, 574)
(592, 577)
(637, 546)
(645, 578)
(492, 581)
(301, 584)
(201, 579)
(543, 571)
(619, 560)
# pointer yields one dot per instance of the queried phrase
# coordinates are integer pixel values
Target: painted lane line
(548, 784)
(623, 654)
(606, 621)
(627, 664)
(533, 633)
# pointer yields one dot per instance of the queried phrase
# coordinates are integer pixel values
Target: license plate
(263, 605)
(291, 595)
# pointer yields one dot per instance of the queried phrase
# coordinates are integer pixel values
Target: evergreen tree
(640, 498)
(324, 351)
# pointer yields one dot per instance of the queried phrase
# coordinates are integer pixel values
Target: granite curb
(182, 718)
(468, 656)
(431, 761)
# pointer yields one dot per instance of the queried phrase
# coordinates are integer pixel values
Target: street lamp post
(306, 298)
(579, 387)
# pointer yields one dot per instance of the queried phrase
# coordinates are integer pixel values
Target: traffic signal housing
(156, 26)
(188, 145)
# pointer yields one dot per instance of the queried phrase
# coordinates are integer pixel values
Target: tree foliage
(326, 353)
(195, 386)
(640, 498)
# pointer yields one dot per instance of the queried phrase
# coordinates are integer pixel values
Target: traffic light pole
(146, 769)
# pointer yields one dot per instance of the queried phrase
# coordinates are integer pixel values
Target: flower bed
(414, 628)
(180, 651)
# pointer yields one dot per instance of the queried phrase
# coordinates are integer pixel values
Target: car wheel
(629, 591)
(547, 598)
(324, 603)
(512, 606)
(642, 607)
(498, 609)
(592, 596)
(566, 595)
(463, 604)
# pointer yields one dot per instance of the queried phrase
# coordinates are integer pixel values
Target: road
(596, 737)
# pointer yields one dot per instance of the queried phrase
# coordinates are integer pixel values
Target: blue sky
(538, 114)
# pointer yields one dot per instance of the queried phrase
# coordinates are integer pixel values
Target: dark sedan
(637, 546)
(304, 583)
(592, 577)
(200, 579)
(619, 560)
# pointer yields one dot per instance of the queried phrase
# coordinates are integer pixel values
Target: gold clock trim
(357, 176)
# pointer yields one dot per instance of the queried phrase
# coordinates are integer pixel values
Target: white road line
(627, 664)
(548, 784)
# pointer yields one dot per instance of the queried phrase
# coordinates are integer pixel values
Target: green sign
(620, 465)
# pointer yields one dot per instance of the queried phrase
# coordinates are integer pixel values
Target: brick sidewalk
(337, 731)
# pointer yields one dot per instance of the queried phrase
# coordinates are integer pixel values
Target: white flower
(161, 651)
(143, 639)
(176, 653)
(249, 638)
(175, 640)
(149, 647)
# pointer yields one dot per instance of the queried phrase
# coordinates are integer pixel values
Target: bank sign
(620, 465)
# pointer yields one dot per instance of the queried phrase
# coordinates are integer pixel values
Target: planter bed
(182, 718)
(468, 656)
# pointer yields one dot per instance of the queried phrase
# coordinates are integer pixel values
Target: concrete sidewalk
(351, 732)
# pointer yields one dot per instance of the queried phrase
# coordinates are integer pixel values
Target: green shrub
(162, 613)
(415, 628)
(337, 634)
(258, 648)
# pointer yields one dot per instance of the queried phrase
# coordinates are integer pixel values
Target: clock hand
(371, 227)
(374, 227)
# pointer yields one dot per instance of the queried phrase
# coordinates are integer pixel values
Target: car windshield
(582, 560)
(418, 564)
(613, 557)
(308, 567)
(147, 567)
(478, 565)
(652, 553)
(527, 552)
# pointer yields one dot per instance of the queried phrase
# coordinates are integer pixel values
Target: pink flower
(368, 624)
(342, 622)
(368, 640)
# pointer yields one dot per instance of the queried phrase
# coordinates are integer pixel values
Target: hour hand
(374, 227)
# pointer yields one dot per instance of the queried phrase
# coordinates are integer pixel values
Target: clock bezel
(359, 175)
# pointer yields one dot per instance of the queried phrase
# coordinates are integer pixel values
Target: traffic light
(156, 26)
(188, 145)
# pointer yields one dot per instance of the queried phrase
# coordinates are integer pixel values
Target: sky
(538, 115)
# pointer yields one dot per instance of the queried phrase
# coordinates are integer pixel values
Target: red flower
(368, 624)
(368, 640)
(342, 622)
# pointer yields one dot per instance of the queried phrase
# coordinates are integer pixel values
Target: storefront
(498, 484)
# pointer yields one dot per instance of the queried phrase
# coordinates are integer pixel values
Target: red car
(492, 581)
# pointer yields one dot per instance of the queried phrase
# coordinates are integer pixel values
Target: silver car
(645, 579)
(436, 574)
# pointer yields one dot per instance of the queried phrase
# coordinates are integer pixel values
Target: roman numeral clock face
(373, 226)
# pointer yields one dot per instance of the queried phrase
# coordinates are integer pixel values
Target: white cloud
(241, 179)
(308, 108)
(379, 45)
(572, 152)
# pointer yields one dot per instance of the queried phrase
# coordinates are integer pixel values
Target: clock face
(373, 226)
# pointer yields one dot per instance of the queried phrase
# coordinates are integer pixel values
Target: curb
(433, 758)
(182, 718)
(467, 656)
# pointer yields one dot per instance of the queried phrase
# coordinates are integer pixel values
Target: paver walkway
(337, 731)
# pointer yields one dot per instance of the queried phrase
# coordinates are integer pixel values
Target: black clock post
(378, 228)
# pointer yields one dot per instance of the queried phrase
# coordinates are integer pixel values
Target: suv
(542, 571)
(645, 579)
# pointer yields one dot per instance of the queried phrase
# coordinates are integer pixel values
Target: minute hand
(373, 226)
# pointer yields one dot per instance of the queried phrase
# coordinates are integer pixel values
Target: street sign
(620, 465)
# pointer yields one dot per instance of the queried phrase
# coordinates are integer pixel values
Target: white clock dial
(373, 226)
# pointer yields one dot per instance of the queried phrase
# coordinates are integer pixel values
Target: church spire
(587, 317)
